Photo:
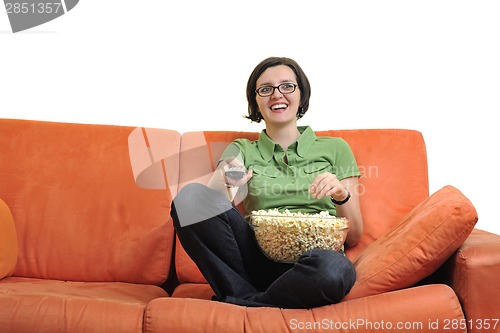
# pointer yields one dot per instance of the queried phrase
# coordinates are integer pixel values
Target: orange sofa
(87, 242)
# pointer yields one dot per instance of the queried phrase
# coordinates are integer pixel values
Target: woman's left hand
(327, 184)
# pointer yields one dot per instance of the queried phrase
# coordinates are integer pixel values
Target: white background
(432, 66)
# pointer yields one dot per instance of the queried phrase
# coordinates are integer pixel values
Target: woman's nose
(276, 93)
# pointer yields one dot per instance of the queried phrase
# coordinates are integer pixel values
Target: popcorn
(285, 236)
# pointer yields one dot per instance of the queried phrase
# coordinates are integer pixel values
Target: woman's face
(278, 108)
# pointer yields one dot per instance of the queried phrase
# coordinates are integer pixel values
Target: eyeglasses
(284, 88)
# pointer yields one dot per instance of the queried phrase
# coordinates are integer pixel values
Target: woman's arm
(352, 211)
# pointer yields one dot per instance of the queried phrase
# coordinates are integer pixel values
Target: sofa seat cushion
(33, 305)
(417, 246)
(194, 290)
(417, 308)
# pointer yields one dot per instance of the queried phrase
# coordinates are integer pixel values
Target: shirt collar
(266, 146)
(304, 142)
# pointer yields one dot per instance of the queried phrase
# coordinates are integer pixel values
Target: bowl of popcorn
(285, 236)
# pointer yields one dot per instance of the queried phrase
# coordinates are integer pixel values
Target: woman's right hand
(233, 164)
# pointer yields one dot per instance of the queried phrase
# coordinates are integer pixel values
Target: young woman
(288, 167)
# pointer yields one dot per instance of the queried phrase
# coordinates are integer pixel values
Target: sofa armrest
(473, 272)
(8, 241)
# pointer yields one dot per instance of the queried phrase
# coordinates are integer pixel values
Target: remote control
(235, 174)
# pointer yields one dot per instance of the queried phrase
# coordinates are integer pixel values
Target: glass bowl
(284, 237)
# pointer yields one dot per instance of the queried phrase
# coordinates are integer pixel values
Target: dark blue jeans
(222, 244)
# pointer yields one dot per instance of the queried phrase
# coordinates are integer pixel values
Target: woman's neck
(284, 136)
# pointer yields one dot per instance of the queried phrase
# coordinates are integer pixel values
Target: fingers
(326, 184)
(233, 164)
(240, 181)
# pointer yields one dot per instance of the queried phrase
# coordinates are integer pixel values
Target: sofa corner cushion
(8, 241)
(417, 246)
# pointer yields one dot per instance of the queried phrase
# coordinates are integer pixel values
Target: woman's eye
(265, 90)
(287, 86)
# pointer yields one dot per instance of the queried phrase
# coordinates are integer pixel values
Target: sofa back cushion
(8, 241)
(394, 180)
(425, 238)
(78, 211)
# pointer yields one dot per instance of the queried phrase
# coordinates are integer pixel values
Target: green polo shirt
(276, 184)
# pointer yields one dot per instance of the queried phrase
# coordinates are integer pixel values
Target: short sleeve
(345, 162)
(234, 149)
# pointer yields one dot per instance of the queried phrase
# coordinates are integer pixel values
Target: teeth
(278, 106)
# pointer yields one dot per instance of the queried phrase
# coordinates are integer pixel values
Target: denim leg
(221, 243)
(320, 277)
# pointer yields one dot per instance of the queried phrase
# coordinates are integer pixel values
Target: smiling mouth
(278, 107)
